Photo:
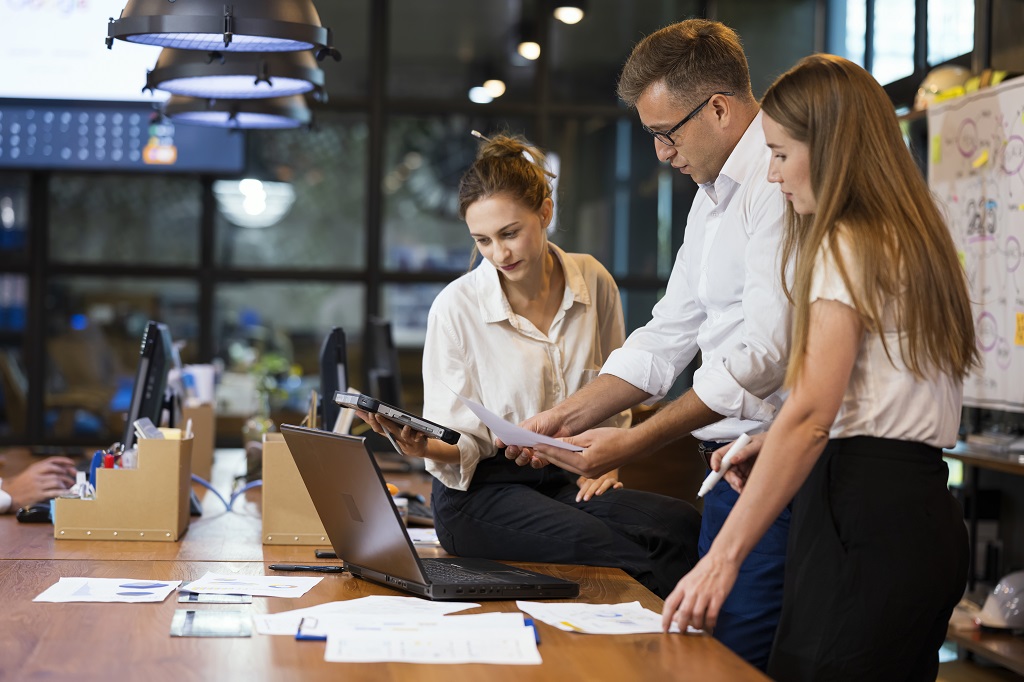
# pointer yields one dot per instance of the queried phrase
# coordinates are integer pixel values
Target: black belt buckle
(705, 452)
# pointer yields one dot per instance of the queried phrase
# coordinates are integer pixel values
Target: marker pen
(715, 476)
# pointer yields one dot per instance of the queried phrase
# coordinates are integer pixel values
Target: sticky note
(1018, 337)
(962, 256)
(981, 160)
(936, 149)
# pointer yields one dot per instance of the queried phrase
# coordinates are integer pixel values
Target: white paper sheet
(424, 536)
(287, 622)
(597, 619)
(132, 590)
(256, 585)
(512, 434)
(499, 638)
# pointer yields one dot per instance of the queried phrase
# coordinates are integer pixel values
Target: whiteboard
(976, 156)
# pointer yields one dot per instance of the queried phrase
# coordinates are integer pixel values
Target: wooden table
(95, 641)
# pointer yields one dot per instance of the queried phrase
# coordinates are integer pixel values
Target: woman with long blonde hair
(882, 338)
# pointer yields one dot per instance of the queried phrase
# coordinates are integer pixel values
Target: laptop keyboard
(450, 574)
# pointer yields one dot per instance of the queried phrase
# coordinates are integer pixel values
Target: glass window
(13, 216)
(616, 201)
(13, 392)
(847, 29)
(94, 327)
(288, 319)
(950, 29)
(893, 56)
(442, 53)
(124, 219)
(406, 306)
(303, 204)
(775, 34)
(425, 158)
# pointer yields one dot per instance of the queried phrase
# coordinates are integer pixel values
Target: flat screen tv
(383, 378)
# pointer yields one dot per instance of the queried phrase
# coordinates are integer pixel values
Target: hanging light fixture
(236, 75)
(249, 26)
(570, 12)
(267, 113)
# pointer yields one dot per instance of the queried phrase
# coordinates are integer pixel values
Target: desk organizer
(150, 502)
(204, 430)
(289, 517)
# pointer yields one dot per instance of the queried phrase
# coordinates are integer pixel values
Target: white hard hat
(1004, 607)
(942, 80)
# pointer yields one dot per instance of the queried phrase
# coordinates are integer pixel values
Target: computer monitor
(333, 375)
(383, 379)
(156, 356)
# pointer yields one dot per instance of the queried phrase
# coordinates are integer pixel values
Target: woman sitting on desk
(526, 328)
(883, 336)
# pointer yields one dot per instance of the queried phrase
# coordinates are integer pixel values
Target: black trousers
(877, 560)
(522, 514)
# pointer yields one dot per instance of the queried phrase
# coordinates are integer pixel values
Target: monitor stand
(195, 507)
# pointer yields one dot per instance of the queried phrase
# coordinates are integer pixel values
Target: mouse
(36, 513)
(412, 496)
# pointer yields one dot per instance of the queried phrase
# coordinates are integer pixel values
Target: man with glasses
(691, 87)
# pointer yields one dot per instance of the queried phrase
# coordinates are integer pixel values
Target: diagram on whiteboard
(976, 171)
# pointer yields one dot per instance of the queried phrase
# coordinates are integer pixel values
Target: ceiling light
(236, 75)
(272, 112)
(252, 26)
(529, 50)
(253, 203)
(495, 87)
(569, 12)
(479, 95)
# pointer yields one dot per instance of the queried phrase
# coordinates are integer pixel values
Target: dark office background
(88, 256)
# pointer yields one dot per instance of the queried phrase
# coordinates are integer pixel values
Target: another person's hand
(545, 423)
(698, 597)
(742, 462)
(412, 442)
(604, 449)
(40, 482)
(595, 486)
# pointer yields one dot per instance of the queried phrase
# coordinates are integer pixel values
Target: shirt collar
(494, 306)
(737, 169)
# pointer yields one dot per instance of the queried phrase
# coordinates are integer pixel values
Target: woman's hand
(742, 461)
(411, 442)
(595, 486)
(698, 598)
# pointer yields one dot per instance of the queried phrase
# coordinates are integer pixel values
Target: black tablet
(360, 401)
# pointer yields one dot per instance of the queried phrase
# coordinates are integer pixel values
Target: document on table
(424, 536)
(597, 619)
(287, 622)
(512, 434)
(499, 638)
(256, 585)
(131, 590)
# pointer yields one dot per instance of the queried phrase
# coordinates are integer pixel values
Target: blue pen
(97, 463)
(536, 633)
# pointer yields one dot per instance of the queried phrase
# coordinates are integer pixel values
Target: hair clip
(477, 133)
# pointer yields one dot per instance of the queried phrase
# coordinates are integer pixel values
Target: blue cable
(247, 486)
(206, 484)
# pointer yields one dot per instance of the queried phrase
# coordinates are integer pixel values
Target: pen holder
(204, 430)
(150, 502)
(289, 517)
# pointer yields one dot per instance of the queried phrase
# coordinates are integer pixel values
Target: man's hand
(41, 481)
(546, 423)
(742, 462)
(595, 486)
(604, 449)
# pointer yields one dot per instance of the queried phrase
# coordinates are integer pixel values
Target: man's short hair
(694, 58)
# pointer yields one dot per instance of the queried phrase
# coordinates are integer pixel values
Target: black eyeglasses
(665, 137)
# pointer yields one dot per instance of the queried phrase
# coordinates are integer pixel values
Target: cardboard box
(150, 502)
(204, 432)
(289, 517)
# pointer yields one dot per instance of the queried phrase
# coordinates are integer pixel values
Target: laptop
(364, 528)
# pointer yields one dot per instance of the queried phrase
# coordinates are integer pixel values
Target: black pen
(319, 568)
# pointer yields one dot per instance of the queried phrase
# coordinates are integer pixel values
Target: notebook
(364, 528)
